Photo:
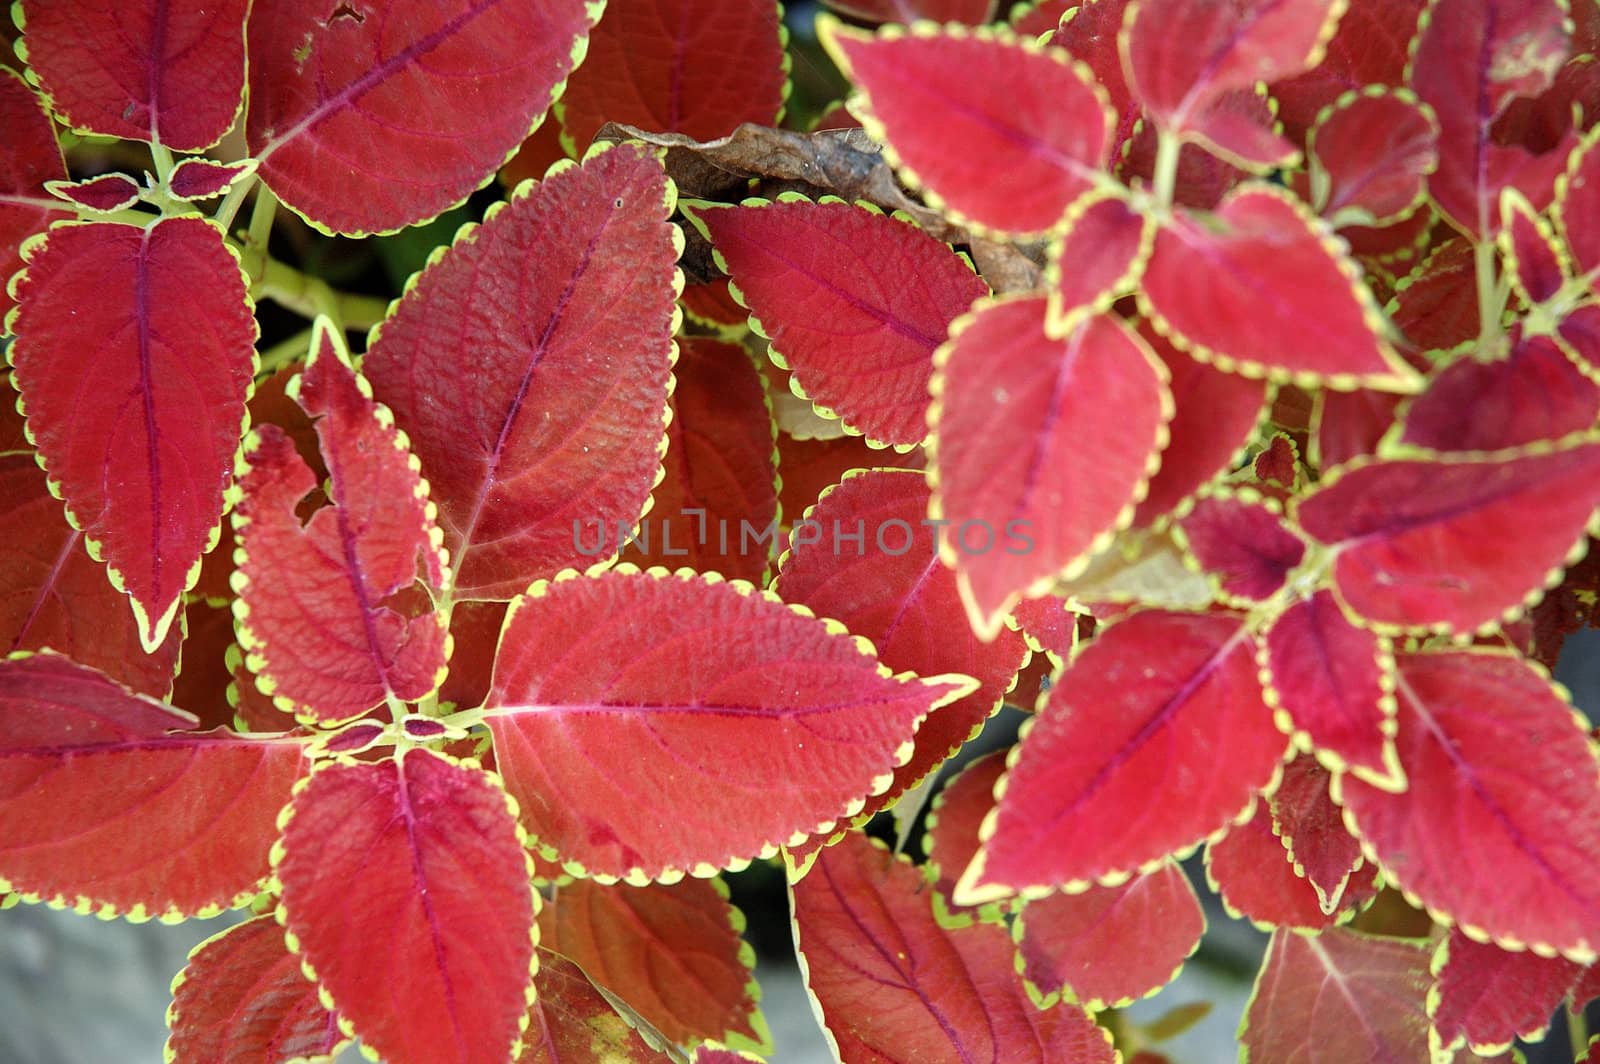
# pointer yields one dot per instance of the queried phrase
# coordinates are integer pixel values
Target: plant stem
(161, 156)
(1491, 301)
(1578, 1031)
(233, 201)
(309, 296)
(261, 218)
(286, 352)
(1166, 176)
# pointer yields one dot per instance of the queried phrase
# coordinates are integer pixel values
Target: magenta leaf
(1240, 538)
(1311, 828)
(1369, 156)
(102, 195)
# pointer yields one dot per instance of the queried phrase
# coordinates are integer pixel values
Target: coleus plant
(1239, 364)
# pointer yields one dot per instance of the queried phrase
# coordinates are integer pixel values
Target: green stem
(1491, 300)
(231, 203)
(1168, 148)
(161, 155)
(261, 218)
(1578, 1031)
(309, 296)
(286, 352)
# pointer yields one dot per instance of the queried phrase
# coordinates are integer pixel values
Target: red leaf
(1368, 48)
(951, 835)
(891, 589)
(1266, 289)
(826, 285)
(721, 471)
(243, 999)
(696, 67)
(102, 806)
(316, 608)
(1182, 56)
(1484, 997)
(1534, 263)
(134, 350)
(1155, 738)
(540, 151)
(1100, 256)
(1503, 783)
(891, 984)
(1577, 206)
(1241, 539)
(1349, 424)
(1217, 414)
(406, 891)
(969, 12)
(1410, 533)
(1049, 625)
(202, 179)
(52, 594)
(635, 716)
(474, 632)
(29, 156)
(531, 376)
(713, 306)
(1109, 946)
(672, 952)
(1471, 59)
(1332, 681)
(1369, 156)
(1032, 127)
(1338, 996)
(104, 195)
(1311, 828)
(1252, 872)
(1436, 306)
(1014, 404)
(809, 466)
(1043, 16)
(342, 107)
(573, 1023)
(145, 70)
(1535, 393)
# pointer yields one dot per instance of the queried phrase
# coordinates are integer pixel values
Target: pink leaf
(1369, 156)
(1311, 828)
(952, 836)
(1484, 997)
(1253, 873)
(1099, 258)
(1242, 540)
(1369, 48)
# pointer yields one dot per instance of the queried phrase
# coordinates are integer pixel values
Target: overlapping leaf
(108, 801)
(1503, 809)
(1266, 289)
(412, 867)
(242, 999)
(701, 723)
(530, 371)
(1578, 205)
(1256, 878)
(679, 66)
(1156, 737)
(317, 608)
(1369, 156)
(1369, 48)
(951, 835)
(1534, 261)
(29, 157)
(852, 301)
(892, 984)
(1242, 540)
(1311, 828)
(343, 105)
(1485, 997)
(1014, 409)
(672, 952)
(891, 589)
(103, 195)
(202, 179)
(1032, 127)
(572, 1022)
(1410, 533)
(1436, 305)
(1099, 257)
(146, 70)
(133, 355)
(969, 12)
(1346, 425)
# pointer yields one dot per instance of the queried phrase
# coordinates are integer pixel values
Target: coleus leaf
(1216, 414)
(343, 106)
(1101, 254)
(1311, 828)
(802, 714)
(149, 70)
(1048, 624)
(682, 66)
(316, 608)
(1240, 537)
(1536, 392)
(891, 590)
(951, 833)
(808, 467)
(29, 157)
(201, 179)
(138, 437)
(1535, 265)
(1485, 997)
(1040, 17)
(712, 305)
(1409, 532)
(531, 376)
(1338, 996)
(103, 195)
(672, 952)
(107, 802)
(1265, 289)
(1502, 777)
(1183, 56)
(242, 999)
(572, 1022)
(720, 468)
(1576, 203)
(1012, 403)
(1333, 682)
(1346, 425)
(892, 984)
(1109, 946)
(826, 284)
(1470, 60)
(1369, 48)
(1155, 738)
(1436, 305)
(1256, 879)
(1033, 128)
(1369, 155)
(412, 867)
(968, 12)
